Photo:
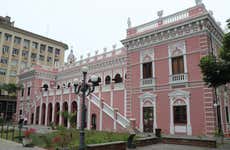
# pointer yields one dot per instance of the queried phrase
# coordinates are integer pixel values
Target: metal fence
(11, 131)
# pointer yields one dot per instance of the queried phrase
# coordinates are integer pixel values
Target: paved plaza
(8, 145)
(181, 147)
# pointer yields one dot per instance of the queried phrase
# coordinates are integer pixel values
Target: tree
(216, 70)
(11, 88)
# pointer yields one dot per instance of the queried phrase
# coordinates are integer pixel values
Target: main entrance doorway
(148, 119)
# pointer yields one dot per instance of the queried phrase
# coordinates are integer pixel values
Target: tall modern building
(20, 49)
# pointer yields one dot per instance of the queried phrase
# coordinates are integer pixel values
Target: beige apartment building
(20, 48)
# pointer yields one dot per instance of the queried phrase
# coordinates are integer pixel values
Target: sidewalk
(9, 145)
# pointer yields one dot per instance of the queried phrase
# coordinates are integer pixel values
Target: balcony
(178, 78)
(146, 83)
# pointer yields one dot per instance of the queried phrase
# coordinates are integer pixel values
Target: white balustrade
(165, 20)
(58, 92)
(106, 88)
(178, 78)
(66, 91)
(45, 93)
(147, 82)
(51, 92)
(122, 120)
(118, 86)
(108, 110)
(95, 100)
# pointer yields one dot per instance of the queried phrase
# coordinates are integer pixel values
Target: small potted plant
(27, 140)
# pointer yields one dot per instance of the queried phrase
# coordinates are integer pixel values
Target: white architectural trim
(185, 96)
(89, 114)
(147, 56)
(174, 50)
(148, 97)
(78, 112)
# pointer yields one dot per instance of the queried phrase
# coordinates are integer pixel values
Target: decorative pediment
(179, 94)
(148, 97)
(177, 49)
(146, 56)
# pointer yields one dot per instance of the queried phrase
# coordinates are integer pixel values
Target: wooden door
(148, 119)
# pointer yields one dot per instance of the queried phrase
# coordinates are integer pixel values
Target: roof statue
(198, 2)
(71, 58)
(160, 13)
(129, 23)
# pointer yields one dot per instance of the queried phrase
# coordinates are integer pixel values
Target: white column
(171, 117)
(35, 112)
(78, 112)
(111, 94)
(141, 116)
(89, 113)
(155, 116)
(46, 110)
(53, 110)
(101, 108)
(40, 113)
(69, 111)
(189, 129)
(61, 103)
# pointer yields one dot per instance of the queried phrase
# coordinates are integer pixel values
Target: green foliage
(216, 71)
(11, 88)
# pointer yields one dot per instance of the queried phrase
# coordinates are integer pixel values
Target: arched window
(45, 86)
(99, 81)
(118, 78)
(69, 84)
(107, 80)
(94, 122)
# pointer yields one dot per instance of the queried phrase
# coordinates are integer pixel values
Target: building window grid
(50, 49)
(35, 45)
(4, 60)
(147, 70)
(17, 40)
(28, 91)
(26, 43)
(227, 114)
(5, 50)
(57, 52)
(3, 71)
(177, 65)
(180, 114)
(15, 51)
(8, 37)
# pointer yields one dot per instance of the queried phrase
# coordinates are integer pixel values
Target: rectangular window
(49, 59)
(13, 73)
(22, 92)
(23, 64)
(3, 71)
(17, 40)
(42, 48)
(28, 91)
(26, 44)
(41, 57)
(180, 114)
(14, 62)
(50, 49)
(25, 53)
(147, 70)
(33, 56)
(57, 52)
(5, 49)
(35, 45)
(4, 60)
(8, 37)
(178, 65)
(227, 114)
(15, 51)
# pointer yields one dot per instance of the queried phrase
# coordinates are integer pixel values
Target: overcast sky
(90, 25)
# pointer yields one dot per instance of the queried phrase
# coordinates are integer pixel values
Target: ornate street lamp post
(85, 89)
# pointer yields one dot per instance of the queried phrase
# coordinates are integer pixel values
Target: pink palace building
(154, 81)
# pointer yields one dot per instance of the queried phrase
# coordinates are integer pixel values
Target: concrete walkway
(9, 145)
